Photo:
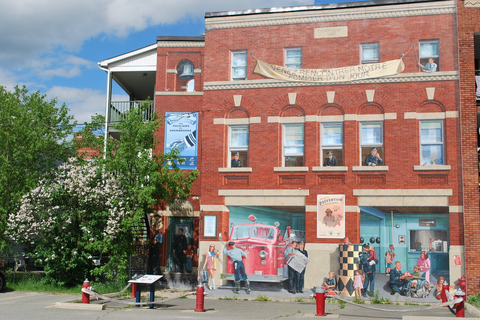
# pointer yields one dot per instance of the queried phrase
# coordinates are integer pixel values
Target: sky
(54, 46)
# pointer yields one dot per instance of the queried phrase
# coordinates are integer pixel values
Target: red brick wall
(468, 24)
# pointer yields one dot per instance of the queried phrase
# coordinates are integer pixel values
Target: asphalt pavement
(218, 305)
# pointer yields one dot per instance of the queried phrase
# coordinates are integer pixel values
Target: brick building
(282, 126)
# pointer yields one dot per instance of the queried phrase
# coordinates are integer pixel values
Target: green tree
(35, 136)
(91, 208)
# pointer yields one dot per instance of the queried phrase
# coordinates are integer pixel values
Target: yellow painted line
(12, 298)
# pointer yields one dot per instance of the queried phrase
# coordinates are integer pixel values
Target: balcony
(119, 108)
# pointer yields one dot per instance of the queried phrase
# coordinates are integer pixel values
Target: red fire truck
(265, 245)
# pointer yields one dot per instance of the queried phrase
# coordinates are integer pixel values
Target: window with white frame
(239, 65)
(429, 49)
(293, 58)
(332, 141)
(293, 145)
(370, 52)
(371, 138)
(431, 142)
(238, 148)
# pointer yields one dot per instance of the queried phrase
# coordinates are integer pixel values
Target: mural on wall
(330, 216)
(181, 134)
(264, 233)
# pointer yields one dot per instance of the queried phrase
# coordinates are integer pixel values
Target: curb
(473, 310)
(80, 306)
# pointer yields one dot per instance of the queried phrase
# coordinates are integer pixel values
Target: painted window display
(330, 216)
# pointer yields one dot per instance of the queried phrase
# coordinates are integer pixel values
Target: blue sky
(54, 45)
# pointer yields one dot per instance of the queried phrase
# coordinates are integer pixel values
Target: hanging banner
(331, 216)
(344, 74)
(181, 134)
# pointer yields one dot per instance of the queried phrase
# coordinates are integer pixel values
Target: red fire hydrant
(200, 298)
(462, 283)
(445, 289)
(86, 296)
(460, 306)
(320, 297)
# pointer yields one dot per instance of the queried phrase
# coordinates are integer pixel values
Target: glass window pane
(293, 58)
(370, 52)
(428, 49)
(239, 58)
(293, 150)
(332, 135)
(431, 132)
(239, 137)
(432, 154)
(372, 133)
(239, 72)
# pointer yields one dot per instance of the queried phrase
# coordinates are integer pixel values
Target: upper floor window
(293, 145)
(332, 144)
(239, 65)
(431, 142)
(238, 148)
(370, 52)
(429, 54)
(293, 58)
(371, 143)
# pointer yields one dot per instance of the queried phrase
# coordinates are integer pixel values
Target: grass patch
(377, 300)
(341, 304)
(262, 298)
(474, 300)
(408, 303)
(227, 298)
(358, 300)
(298, 300)
(34, 281)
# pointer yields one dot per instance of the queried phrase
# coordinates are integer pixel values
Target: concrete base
(79, 306)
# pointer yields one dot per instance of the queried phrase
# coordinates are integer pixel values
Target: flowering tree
(34, 138)
(78, 213)
(92, 207)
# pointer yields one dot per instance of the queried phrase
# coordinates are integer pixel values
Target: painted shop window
(239, 65)
(238, 148)
(431, 142)
(370, 52)
(429, 49)
(332, 144)
(371, 143)
(293, 145)
(293, 58)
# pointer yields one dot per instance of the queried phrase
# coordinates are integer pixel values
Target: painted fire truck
(265, 245)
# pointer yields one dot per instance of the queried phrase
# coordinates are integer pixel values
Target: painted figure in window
(429, 67)
(373, 159)
(330, 160)
(236, 162)
(329, 219)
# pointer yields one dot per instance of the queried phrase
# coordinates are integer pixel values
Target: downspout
(107, 108)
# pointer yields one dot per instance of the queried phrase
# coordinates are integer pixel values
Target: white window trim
(442, 143)
(332, 147)
(371, 145)
(292, 49)
(284, 139)
(232, 65)
(361, 53)
(233, 149)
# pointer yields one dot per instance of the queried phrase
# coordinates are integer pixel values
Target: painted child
(373, 256)
(416, 275)
(388, 261)
(358, 284)
(330, 283)
(439, 287)
(392, 251)
(189, 258)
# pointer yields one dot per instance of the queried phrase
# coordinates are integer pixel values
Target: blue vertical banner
(181, 133)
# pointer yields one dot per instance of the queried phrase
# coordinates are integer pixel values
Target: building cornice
(180, 44)
(341, 14)
(273, 83)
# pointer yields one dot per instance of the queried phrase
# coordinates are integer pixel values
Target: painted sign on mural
(330, 216)
(181, 134)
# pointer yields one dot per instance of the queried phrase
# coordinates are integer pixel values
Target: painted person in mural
(237, 255)
(329, 219)
(373, 159)
(292, 273)
(368, 270)
(301, 275)
(179, 248)
(211, 265)
(236, 162)
(429, 67)
(330, 160)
